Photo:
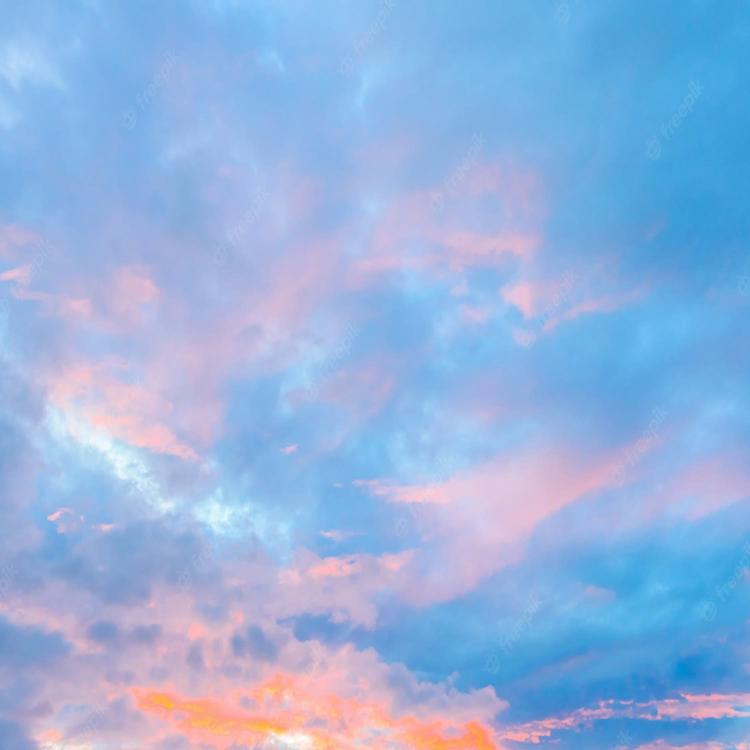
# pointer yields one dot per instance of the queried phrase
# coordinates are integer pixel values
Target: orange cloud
(306, 713)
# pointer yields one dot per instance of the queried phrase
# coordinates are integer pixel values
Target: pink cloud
(126, 411)
(469, 248)
(318, 696)
(362, 388)
(521, 295)
(403, 493)
(480, 518)
(693, 707)
(322, 697)
(341, 586)
(599, 594)
(13, 236)
(546, 297)
(547, 303)
(66, 520)
(115, 305)
(664, 745)
(257, 328)
(336, 567)
(451, 234)
(129, 290)
(475, 315)
(604, 304)
(71, 308)
(705, 486)
(338, 535)
(346, 699)
(258, 331)
(20, 275)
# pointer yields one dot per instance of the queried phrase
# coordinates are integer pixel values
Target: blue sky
(374, 375)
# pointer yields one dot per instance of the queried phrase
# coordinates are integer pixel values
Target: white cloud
(22, 63)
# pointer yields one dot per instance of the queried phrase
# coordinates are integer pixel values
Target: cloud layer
(374, 375)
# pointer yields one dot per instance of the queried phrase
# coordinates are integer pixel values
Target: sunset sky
(374, 375)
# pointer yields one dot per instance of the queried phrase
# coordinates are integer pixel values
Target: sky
(374, 375)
